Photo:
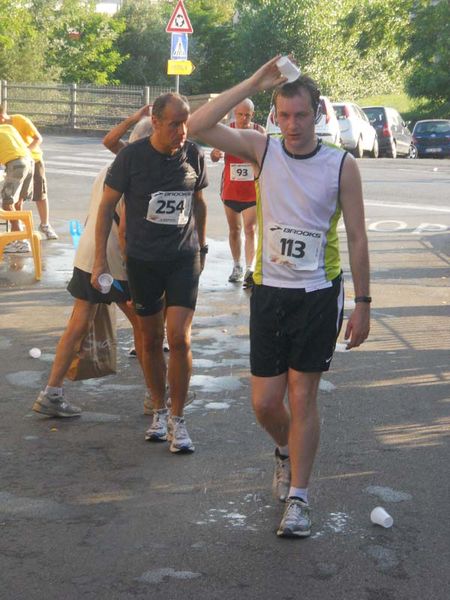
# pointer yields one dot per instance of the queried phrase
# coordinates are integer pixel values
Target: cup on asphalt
(380, 517)
(105, 281)
(288, 69)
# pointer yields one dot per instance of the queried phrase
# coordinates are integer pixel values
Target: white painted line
(57, 163)
(68, 172)
(407, 206)
(82, 157)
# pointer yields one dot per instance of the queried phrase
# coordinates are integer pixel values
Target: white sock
(299, 493)
(53, 391)
(237, 263)
(283, 450)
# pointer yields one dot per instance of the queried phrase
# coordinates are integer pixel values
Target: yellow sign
(179, 67)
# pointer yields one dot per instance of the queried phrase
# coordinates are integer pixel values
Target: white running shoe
(281, 477)
(158, 429)
(18, 247)
(48, 231)
(296, 521)
(178, 436)
(237, 274)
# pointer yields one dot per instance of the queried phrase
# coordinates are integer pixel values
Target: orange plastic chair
(26, 216)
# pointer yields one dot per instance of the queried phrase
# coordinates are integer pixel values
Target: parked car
(357, 134)
(327, 127)
(394, 137)
(432, 137)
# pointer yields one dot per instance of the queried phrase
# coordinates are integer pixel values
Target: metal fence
(72, 106)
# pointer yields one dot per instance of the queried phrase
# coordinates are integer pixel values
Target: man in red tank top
(239, 198)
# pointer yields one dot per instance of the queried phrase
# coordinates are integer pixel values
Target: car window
(340, 111)
(433, 127)
(375, 115)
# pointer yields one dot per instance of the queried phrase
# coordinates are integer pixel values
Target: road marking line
(68, 172)
(406, 206)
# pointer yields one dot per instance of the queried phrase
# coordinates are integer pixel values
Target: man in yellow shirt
(17, 185)
(33, 140)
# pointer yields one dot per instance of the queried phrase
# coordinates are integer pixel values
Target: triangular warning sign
(179, 21)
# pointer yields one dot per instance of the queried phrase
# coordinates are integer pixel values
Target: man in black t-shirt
(161, 179)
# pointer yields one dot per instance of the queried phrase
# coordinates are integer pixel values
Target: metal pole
(73, 105)
(146, 94)
(177, 84)
(4, 99)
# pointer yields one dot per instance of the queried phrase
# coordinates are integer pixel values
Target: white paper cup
(288, 69)
(380, 517)
(105, 281)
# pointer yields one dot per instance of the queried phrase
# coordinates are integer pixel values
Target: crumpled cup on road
(380, 517)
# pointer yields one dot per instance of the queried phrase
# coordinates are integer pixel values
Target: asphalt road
(89, 510)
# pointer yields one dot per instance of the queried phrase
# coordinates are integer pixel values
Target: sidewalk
(90, 510)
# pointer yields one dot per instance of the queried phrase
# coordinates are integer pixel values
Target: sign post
(179, 26)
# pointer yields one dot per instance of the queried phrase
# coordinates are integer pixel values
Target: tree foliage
(429, 52)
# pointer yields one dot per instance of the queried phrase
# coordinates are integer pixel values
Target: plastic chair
(29, 234)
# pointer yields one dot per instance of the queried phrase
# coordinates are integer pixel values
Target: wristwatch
(365, 299)
(204, 249)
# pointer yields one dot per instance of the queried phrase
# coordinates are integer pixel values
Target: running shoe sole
(44, 410)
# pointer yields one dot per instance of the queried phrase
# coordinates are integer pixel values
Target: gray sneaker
(281, 477)
(158, 429)
(178, 436)
(296, 521)
(237, 274)
(55, 406)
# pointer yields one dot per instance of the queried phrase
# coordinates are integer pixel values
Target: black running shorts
(80, 287)
(294, 329)
(174, 282)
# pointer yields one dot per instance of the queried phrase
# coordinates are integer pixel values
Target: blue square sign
(179, 46)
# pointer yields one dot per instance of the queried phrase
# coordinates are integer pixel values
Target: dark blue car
(432, 137)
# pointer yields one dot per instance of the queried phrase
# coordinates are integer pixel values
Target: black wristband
(204, 249)
(365, 299)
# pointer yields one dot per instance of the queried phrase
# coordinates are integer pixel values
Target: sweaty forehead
(299, 102)
(176, 110)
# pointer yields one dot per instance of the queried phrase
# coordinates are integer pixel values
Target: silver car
(357, 134)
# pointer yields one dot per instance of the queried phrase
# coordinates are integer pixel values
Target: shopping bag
(96, 356)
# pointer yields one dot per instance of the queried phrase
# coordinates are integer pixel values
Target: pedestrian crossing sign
(179, 21)
(179, 46)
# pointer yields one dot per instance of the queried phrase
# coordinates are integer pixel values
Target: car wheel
(413, 152)
(392, 153)
(358, 151)
(374, 153)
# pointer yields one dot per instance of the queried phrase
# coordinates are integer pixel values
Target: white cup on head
(105, 281)
(288, 69)
(380, 517)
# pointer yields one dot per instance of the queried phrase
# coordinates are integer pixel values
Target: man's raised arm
(205, 124)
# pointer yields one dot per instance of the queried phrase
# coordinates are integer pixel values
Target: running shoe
(48, 231)
(18, 247)
(296, 521)
(281, 477)
(237, 274)
(158, 429)
(55, 406)
(132, 353)
(178, 436)
(248, 279)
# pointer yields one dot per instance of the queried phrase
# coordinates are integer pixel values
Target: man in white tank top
(297, 302)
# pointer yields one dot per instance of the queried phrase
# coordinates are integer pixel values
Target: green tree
(83, 43)
(22, 49)
(429, 52)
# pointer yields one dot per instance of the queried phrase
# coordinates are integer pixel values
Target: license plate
(433, 150)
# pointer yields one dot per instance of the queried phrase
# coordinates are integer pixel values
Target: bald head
(243, 113)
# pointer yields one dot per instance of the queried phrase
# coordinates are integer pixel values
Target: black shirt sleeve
(117, 177)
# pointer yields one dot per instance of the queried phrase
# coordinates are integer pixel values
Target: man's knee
(179, 341)
(265, 406)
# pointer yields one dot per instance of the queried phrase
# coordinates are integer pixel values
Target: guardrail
(73, 106)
